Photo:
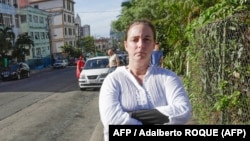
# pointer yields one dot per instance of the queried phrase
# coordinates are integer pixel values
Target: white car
(60, 64)
(94, 72)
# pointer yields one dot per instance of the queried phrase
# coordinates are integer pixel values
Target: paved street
(48, 106)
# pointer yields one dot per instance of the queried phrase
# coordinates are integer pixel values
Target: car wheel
(18, 76)
(28, 74)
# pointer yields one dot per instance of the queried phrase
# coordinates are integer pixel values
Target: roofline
(38, 1)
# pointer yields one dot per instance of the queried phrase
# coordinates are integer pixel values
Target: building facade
(61, 23)
(86, 30)
(9, 15)
(35, 22)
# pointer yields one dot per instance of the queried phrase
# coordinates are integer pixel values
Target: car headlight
(82, 76)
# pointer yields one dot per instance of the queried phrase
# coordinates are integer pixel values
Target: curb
(97, 135)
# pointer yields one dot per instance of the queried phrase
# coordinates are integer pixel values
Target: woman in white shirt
(139, 93)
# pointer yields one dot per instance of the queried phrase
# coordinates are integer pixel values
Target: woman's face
(140, 42)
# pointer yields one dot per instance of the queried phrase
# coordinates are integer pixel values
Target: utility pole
(49, 22)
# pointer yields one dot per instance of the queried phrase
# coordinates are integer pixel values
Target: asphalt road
(48, 106)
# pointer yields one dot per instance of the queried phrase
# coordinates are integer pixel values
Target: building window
(15, 3)
(41, 19)
(32, 35)
(44, 50)
(68, 5)
(47, 35)
(70, 31)
(36, 35)
(35, 19)
(23, 18)
(30, 18)
(42, 35)
(38, 52)
(7, 19)
(65, 30)
(69, 18)
(64, 16)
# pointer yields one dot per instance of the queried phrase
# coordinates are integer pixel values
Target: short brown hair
(142, 21)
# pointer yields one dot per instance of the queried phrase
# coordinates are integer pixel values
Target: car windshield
(96, 64)
(59, 61)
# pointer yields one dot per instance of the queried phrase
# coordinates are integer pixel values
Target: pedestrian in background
(114, 60)
(79, 65)
(157, 56)
(141, 94)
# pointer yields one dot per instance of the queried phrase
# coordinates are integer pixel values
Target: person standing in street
(139, 93)
(157, 56)
(114, 61)
(79, 65)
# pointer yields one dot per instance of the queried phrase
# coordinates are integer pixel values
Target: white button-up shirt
(121, 94)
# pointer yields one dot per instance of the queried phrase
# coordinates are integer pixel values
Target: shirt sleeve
(178, 108)
(111, 111)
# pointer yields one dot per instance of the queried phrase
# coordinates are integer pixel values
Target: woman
(140, 93)
(79, 65)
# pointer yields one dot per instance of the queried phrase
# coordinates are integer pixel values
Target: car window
(58, 61)
(96, 63)
(26, 66)
(14, 67)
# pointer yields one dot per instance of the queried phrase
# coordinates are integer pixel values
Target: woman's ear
(125, 45)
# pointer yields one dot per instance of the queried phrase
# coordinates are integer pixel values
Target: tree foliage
(88, 44)
(7, 37)
(22, 47)
(172, 19)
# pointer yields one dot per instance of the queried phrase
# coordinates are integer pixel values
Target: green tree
(7, 37)
(68, 50)
(22, 47)
(88, 44)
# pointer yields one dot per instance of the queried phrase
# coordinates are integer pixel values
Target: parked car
(16, 71)
(94, 72)
(72, 62)
(60, 64)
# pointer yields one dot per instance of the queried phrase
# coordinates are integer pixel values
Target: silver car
(60, 64)
(94, 72)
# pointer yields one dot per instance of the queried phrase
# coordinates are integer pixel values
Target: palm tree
(7, 37)
(20, 49)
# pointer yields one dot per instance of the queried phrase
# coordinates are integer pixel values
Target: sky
(98, 14)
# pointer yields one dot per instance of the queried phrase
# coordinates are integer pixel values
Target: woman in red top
(80, 63)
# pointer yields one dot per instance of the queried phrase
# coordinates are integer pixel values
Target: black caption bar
(194, 132)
